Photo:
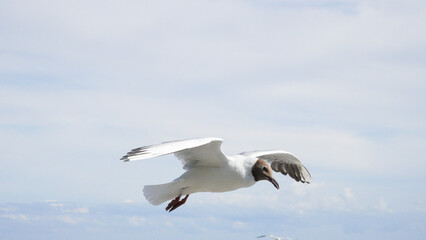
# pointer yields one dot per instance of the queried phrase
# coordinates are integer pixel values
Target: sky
(340, 84)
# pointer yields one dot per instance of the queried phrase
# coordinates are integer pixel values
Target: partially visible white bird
(209, 170)
(274, 237)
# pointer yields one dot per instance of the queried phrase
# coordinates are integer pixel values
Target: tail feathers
(157, 194)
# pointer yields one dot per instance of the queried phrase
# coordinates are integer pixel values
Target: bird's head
(262, 171)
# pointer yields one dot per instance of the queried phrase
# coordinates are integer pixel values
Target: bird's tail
(157, 194)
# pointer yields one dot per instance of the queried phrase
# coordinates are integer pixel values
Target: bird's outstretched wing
(270, 235)
(283, 162)
(193, 152)
(274, 237)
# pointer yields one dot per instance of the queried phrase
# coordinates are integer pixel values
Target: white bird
(274, 237)
(209, 170)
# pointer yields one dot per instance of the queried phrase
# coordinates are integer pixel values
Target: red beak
(275, 183)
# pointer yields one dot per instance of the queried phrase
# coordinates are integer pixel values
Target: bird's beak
(275, 183)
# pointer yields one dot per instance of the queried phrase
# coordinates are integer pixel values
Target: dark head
(262, 171)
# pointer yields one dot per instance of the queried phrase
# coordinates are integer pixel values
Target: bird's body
(217, 179)
(209, 170)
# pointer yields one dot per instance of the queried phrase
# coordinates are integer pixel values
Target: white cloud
(5, 209)
(54, 203)
(238, 225)
(57, 205)
(348, 193)
(301, 199)
(17, 217)
(213, 221)
(136, 220)
(169, 224)
(340, 86)
(69, 219)
(78, 210)
(383, 206)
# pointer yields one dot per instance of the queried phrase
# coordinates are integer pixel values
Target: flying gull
(274, 237)
(209, 170)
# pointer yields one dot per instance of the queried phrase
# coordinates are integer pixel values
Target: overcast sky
(340, 84)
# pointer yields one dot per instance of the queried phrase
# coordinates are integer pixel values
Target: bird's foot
(175, 203)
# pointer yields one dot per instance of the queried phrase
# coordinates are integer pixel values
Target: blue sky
(338, 83)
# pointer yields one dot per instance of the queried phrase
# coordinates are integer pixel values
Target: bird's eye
(265, 169)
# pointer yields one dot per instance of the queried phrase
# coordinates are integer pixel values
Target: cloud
(383, 206)
(57, 205)
(294, 198)
(338, 83)
(68, 219)
(348, 193)
(68, 209)
(78, 210)
(238, 225)
(17, 217)
(207, 221)
(5, 209)
(136, 221)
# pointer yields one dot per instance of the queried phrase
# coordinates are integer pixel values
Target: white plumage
(274, 237)
(209, 170)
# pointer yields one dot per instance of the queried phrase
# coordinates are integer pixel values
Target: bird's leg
(179, 203)
(173, 202)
